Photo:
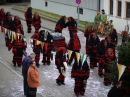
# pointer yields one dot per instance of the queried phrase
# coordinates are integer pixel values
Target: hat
(103, 10)
(111, 20)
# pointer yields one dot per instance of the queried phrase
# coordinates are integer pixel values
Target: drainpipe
(99, 5)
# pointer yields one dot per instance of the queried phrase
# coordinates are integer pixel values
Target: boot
(14, 65)
(19, 65)
(58, 82)
(44, 63)
(37, 65)
(62, 82)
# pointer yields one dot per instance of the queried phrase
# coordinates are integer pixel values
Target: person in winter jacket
(60, 58)
(97, 20)
(72, 25)
(25, 66)
(60, 24)
(102, 22)
(80, 72)
(33, 79)
(36, 22)
(28, 17)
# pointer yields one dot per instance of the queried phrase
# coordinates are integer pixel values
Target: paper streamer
(38, 42)
(69, 53)
(121, 69)
(28, 40)
(83, 57)
(5, 30)
(24, 39)
(77, 56)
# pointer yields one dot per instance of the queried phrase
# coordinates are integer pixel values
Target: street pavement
(11, 78)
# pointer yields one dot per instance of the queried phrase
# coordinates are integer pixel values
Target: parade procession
(103, 53)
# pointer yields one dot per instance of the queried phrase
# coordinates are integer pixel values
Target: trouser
(17, 59)
(71, 34)
(25, 85)
(102, 29)
(73, 56)
(100, 69)
(80, 86)
(106, 78)
(61, 77)
(32, 92)
(93, 61)
(46, 58)
(29, 24)
(37, 58)
(97, 27)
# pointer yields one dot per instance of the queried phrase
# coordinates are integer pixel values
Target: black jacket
(116, 92)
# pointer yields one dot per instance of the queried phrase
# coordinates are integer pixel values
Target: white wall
(62, 9)
(119, 22)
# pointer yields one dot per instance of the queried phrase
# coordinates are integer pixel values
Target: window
(80, 10)
(111, 7)
(127, 9)
(119, 8)
(46, 4)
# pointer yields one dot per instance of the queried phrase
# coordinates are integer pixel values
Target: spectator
(33, 79)
(25, 66)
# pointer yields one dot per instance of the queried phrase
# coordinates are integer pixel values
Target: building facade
(87, 8)
(119, 12)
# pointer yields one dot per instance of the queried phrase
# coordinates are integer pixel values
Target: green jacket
(111, 26)
(103, 17)
(97, 19)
